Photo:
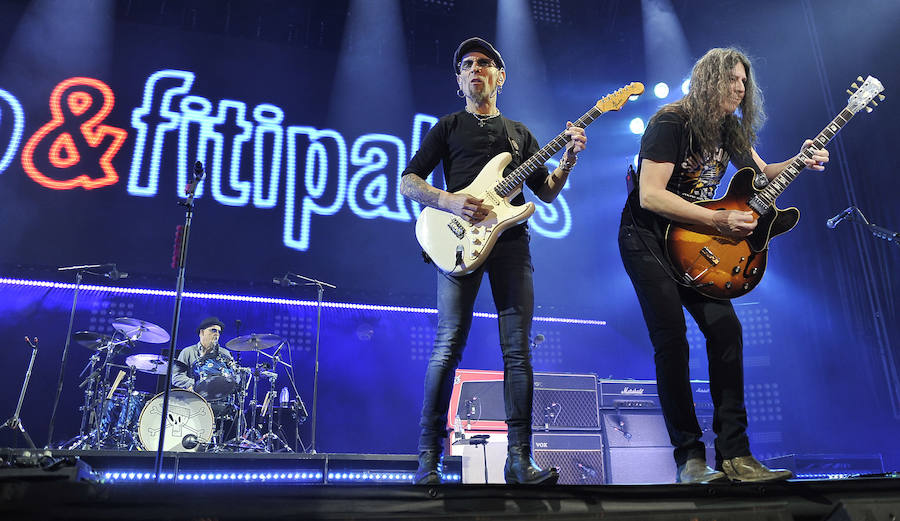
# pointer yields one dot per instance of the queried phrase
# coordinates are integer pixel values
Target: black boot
(522, 469)
(430, 467)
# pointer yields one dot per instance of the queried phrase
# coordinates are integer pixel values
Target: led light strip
(269, 300)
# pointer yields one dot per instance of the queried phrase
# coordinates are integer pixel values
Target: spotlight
(636, 126)
(685, 86)
(661, 90)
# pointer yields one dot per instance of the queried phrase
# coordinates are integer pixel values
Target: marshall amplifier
(642, 394)
(562, 401)
(578, 456)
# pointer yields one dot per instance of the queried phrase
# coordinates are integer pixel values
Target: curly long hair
(710, 85)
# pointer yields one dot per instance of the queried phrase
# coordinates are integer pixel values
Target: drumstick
(265, 405)
(115, 384)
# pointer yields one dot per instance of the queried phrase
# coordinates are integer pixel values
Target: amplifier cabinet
(637, 447)
(578, 455)
(562, 401)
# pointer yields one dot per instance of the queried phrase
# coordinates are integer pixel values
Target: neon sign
(82, 111)
(323, 172)
(16, 125)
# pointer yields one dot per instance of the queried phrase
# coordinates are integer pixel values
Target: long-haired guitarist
(684, 153)
(465, 142)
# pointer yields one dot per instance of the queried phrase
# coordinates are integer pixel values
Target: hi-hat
(254, 342)
(91, 340)
(153, 364)
(140, 330)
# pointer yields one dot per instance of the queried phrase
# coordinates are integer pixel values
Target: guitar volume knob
(736, 270)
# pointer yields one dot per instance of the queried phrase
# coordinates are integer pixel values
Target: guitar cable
(666, 266)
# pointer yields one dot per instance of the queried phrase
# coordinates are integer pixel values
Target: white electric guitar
(458, 247)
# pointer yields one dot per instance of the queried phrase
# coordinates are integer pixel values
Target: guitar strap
(513, 144)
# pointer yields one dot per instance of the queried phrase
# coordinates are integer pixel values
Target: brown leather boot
(695, 470)
(749, 469)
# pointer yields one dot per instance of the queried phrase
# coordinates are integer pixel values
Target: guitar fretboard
(765, 198)
(513, 181)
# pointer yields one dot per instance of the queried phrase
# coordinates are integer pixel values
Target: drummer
(208, 346)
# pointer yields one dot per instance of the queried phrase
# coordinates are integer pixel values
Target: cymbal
(254, 342)
(91, 340)
(140, 330)
(153, 364)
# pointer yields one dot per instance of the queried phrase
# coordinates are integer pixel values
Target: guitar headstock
(617, 99)
(864, 94)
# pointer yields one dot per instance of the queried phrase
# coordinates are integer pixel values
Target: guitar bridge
(709, 255)
(457, 228)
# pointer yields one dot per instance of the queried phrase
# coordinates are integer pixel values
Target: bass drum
(189, 427)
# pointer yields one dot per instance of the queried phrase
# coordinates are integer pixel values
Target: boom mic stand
(851, 213)
(181, 255)
(320, 286)
(15, 423)
(79, 276)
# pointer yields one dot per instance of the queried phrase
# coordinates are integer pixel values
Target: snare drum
(189, 415)
(214, 379)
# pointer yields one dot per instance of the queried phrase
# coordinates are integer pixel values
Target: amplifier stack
(565, 423)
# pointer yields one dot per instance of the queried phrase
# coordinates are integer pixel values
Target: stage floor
(271, 487)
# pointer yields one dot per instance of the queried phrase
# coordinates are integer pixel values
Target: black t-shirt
(696, 175)
(463, 147)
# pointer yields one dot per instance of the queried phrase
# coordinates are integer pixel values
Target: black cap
(476, 44)
(210, 322)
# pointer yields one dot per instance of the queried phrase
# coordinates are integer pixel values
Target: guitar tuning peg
(859, 78)
(850, 92)
(873, 102)
(854, 85)
(881, 97)
(869, 109)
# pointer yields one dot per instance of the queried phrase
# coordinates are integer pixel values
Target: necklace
(482, 117)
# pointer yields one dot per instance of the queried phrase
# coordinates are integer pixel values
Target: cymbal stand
(270, 437)
(15, 423)
(86, 407)
(320, 286)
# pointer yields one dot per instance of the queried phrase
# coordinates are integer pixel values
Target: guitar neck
(765, 198)
(512, 182)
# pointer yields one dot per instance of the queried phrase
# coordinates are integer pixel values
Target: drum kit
(116, 415)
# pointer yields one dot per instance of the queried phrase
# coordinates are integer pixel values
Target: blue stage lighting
(685, 86)
(661, 90)
(636, 126)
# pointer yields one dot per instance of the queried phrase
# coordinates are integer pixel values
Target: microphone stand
(79, 276)
(176, 315)
(320, 286)
(15, 423)
(878, 231)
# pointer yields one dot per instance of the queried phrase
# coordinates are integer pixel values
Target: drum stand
(270, 438)
(15, 423)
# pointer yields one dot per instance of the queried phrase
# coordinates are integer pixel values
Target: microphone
(190, 441)
(284, 282)
(114, 273)
(846, 214)
(195, 180)
(538, 338)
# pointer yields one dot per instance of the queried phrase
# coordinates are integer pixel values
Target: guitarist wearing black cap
(465, 141)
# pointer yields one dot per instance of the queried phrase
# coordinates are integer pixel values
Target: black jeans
(509, 270)
(661, 300)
